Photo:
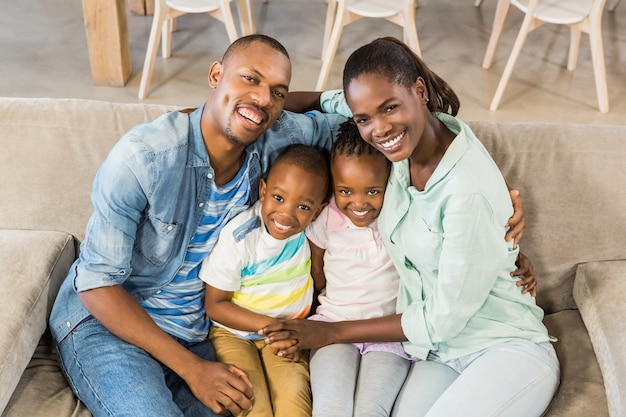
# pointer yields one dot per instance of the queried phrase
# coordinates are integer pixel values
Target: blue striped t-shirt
(179, 307)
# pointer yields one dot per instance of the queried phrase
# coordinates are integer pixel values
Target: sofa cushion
(33, 265)
(581, 392)
(43, 390)
(599, 290)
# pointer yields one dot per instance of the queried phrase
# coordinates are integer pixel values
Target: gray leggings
(346, 383)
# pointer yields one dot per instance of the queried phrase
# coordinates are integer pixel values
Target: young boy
(259, 272)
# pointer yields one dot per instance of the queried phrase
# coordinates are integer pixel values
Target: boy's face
(292, 198)
(359, 184)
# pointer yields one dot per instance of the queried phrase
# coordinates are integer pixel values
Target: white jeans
(516, 378)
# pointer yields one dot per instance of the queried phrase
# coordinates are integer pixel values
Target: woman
(483, 346)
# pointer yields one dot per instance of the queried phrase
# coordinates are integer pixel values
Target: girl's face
(359, 184)
(390, 117)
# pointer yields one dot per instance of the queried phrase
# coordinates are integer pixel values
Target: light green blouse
(447, 242)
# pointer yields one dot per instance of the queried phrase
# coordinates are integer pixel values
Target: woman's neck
(428, 153)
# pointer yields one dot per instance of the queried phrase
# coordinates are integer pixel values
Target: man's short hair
(255, 37)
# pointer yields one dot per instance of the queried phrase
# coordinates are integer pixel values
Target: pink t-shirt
(361, 281)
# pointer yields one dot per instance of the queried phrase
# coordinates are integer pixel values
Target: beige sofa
(569, 175)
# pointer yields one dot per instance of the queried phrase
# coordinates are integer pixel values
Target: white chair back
(580, 15)
(164, 21)
(341, 13)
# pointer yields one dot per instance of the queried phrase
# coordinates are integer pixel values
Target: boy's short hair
(308, 158)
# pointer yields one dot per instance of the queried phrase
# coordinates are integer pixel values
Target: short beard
(230, 136)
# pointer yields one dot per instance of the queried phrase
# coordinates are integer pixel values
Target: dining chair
(579, 15)
(613, 5)
(341, 13)
(163, 23)
(477, 3)
(246, 16)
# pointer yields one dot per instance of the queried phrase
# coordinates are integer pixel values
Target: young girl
(484, 348)
(350, 266)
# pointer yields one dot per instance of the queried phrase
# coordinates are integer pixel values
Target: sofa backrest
(50, 150)
(570, 177)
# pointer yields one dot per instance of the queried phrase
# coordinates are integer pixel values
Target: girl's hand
(527, 272)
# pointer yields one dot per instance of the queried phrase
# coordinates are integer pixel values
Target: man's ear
(262, 188)
(215, 74)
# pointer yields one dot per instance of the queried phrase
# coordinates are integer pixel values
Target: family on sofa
(131, 312)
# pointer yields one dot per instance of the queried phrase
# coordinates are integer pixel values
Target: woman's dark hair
(397, 62)
(349, 142)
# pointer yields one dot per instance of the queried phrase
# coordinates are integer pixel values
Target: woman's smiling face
(389, 116)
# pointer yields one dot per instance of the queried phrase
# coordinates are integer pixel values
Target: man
(129, 320)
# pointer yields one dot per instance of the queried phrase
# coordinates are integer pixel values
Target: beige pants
(281, 386)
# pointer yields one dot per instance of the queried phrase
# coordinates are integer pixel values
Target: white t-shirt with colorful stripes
(266, 275)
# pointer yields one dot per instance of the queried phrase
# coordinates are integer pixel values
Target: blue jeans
(114, 378)
(515, 378)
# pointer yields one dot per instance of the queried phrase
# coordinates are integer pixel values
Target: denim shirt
(148, 196)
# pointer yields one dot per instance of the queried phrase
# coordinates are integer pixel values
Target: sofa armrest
(599, 291)
(32, 266)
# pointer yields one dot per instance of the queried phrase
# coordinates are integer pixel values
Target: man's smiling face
(250, 87)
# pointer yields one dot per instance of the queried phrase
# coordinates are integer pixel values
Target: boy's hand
(279, 347)
(299, 334)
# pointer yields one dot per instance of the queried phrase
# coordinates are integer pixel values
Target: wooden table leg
(141, 7)
(107, 41)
